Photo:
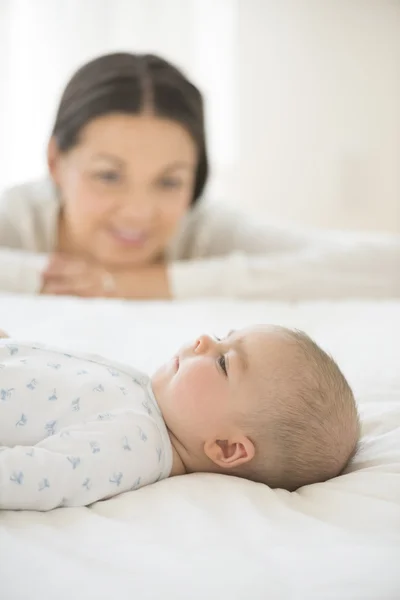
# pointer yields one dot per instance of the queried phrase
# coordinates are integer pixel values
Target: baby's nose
(203, 344)
(200, 344)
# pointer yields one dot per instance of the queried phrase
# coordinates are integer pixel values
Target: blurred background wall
(303, 96)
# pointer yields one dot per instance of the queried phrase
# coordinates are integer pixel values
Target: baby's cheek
(185, 406)
(182, 395)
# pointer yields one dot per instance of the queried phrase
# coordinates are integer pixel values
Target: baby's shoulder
(10, 347)
(21, 352)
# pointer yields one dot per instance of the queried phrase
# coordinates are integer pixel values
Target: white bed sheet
(207, 536)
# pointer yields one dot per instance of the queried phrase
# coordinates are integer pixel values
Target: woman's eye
(108, 176)
(222, 364)
(169, 183)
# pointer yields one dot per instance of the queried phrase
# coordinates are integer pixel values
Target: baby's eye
(222, 364)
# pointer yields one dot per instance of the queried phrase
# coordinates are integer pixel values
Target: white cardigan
(216, 253)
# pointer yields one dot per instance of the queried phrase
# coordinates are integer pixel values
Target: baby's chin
(160, 381)
(156, 380)
(165, 372)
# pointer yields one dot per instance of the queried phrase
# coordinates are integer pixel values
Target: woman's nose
(138, 208)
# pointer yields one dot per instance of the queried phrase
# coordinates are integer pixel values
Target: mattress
(210, 536)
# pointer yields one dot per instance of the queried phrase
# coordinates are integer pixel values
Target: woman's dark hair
(132, 83)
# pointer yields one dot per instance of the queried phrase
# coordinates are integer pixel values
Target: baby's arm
(80, 464)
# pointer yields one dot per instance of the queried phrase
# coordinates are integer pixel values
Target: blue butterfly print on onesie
(140, 380)
(106, 416)
(87, 483)
(21, 421)
(5, 394)
(136, 484)
(75, 404)
(146, 406)
(17, 477)
(113, 372)
(125, 444)
(95, 447)
(43, 484)
(142, 434)
(74, 460)
(53, 396)
(32, 384)
(116, 478)
(12, 349)
(50, 427)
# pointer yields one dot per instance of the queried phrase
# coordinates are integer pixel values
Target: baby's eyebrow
(241, 350)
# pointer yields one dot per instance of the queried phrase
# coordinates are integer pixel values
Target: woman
(120, 214)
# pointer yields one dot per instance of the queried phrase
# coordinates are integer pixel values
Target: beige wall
(319, 111)
(303, 96)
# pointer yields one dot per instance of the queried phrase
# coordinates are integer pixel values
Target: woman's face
(125, 187)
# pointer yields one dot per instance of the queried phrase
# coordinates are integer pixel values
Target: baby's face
(208, 386)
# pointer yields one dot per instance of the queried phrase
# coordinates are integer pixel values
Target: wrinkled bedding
(209, 536)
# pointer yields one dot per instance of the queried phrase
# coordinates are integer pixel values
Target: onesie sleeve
(100, 458)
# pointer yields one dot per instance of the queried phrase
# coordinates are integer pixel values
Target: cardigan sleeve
(245, 260)
(20, 272)
(20, 263)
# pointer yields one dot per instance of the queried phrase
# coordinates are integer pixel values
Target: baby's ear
(229, 454)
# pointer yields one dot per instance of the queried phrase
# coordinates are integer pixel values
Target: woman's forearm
(143, 283)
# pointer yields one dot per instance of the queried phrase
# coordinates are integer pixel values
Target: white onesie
(75, 428)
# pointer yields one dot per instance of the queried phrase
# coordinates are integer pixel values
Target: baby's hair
(306, 427)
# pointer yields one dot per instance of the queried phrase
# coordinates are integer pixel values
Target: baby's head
(264, 403)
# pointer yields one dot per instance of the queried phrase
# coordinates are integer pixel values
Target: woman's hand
(72, 276)
(143, 283)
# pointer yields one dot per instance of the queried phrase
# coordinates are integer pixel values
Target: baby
(265, 403)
